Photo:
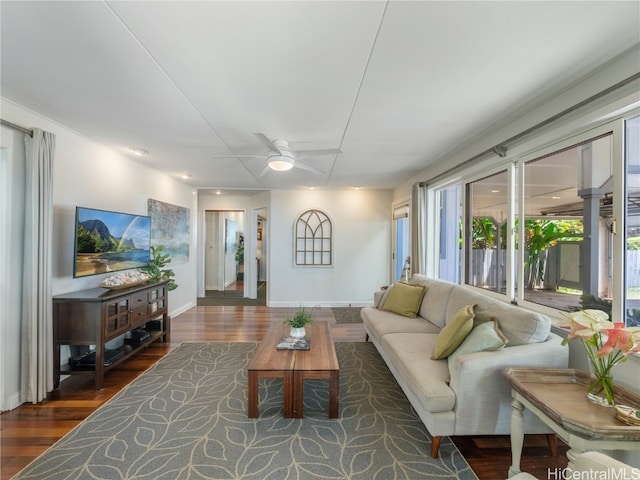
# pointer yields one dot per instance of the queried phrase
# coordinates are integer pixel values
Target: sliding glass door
(632, 222)
(558, 227)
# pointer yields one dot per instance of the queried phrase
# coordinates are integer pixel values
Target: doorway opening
(401, 259)
(224, 240)
(227, 253)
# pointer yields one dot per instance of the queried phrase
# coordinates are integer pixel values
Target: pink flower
(608, 339)
(587, 323)
(619, 338)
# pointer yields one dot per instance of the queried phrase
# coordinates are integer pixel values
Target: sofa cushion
(454, 333)
(426, 378)
(434, 303)
(379, 323)
(404, 299)
(484, 337)
(520, 326)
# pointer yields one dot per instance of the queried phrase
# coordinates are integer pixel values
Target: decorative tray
(122, 286)
(290, 343)
(628, 415)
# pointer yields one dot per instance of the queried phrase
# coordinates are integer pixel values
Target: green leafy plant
(240, 253)
(156, 268)
(633, 243)
(301, 318)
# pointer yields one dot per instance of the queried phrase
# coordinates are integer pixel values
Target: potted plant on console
(298, 321)
(157, 267)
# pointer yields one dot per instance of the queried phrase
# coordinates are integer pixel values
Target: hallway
(232, 296)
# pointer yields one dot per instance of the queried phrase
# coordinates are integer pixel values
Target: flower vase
(600, 389)
(297, 332)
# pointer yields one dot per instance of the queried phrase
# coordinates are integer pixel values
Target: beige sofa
(464, 394)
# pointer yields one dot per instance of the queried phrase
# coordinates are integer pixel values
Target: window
(568, 205)
(557, 226)
(487, 213)
(450, 233)
(632, 216)
(313, 239)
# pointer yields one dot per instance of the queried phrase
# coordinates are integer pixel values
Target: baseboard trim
(312, 304)
(12, 402)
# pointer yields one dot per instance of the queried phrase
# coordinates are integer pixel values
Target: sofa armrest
(483, 396)
(466, 369)
(377, 296)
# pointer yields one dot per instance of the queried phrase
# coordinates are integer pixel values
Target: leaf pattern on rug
(186, 418)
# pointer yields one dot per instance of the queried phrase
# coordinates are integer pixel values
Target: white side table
(558, 398)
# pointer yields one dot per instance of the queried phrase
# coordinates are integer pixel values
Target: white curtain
(419, 228)
(37, 323)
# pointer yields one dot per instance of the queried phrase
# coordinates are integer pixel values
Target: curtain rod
(501, 148)
(16, 127)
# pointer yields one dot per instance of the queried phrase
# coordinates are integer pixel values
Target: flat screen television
(109, 241)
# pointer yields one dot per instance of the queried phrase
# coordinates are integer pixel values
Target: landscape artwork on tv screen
(110, 241)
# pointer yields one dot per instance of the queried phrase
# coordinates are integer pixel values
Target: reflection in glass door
(401, 237)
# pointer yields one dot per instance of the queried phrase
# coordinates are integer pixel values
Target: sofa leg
(366, 337)
(435, 446)
(552, 441)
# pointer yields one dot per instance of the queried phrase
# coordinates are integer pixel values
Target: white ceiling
(395, 85)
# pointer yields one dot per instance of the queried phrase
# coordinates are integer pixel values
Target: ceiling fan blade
(326, 151)
(267, 142)
(307, 167)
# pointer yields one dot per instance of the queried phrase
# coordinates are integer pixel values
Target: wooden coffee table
(294, 367)
(558, 397)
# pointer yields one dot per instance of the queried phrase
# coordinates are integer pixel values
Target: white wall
(362, 236)
(362, 245)
(91, 175)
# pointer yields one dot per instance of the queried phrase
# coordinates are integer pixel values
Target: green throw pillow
(454, 333)
(385, 294)
(483, 338)
(404, 299)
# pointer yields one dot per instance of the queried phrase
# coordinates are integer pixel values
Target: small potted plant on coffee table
(298, 321)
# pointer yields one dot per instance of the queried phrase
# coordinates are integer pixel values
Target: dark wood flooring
(29, 430)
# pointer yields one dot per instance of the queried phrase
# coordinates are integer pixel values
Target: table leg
(252, 394)
(297, 394)
(573, 453)
(517, 437)
(99, 369)
(289, 395)
(334, 391)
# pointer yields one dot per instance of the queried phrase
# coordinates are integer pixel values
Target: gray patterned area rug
(186, 418)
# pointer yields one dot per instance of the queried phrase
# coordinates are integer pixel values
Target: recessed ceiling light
(357, 188)
(555, 198)
(139, 151)
(218, 192)
(186, 175)
(495, 191)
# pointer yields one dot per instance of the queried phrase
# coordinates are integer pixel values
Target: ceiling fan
(281, 158)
